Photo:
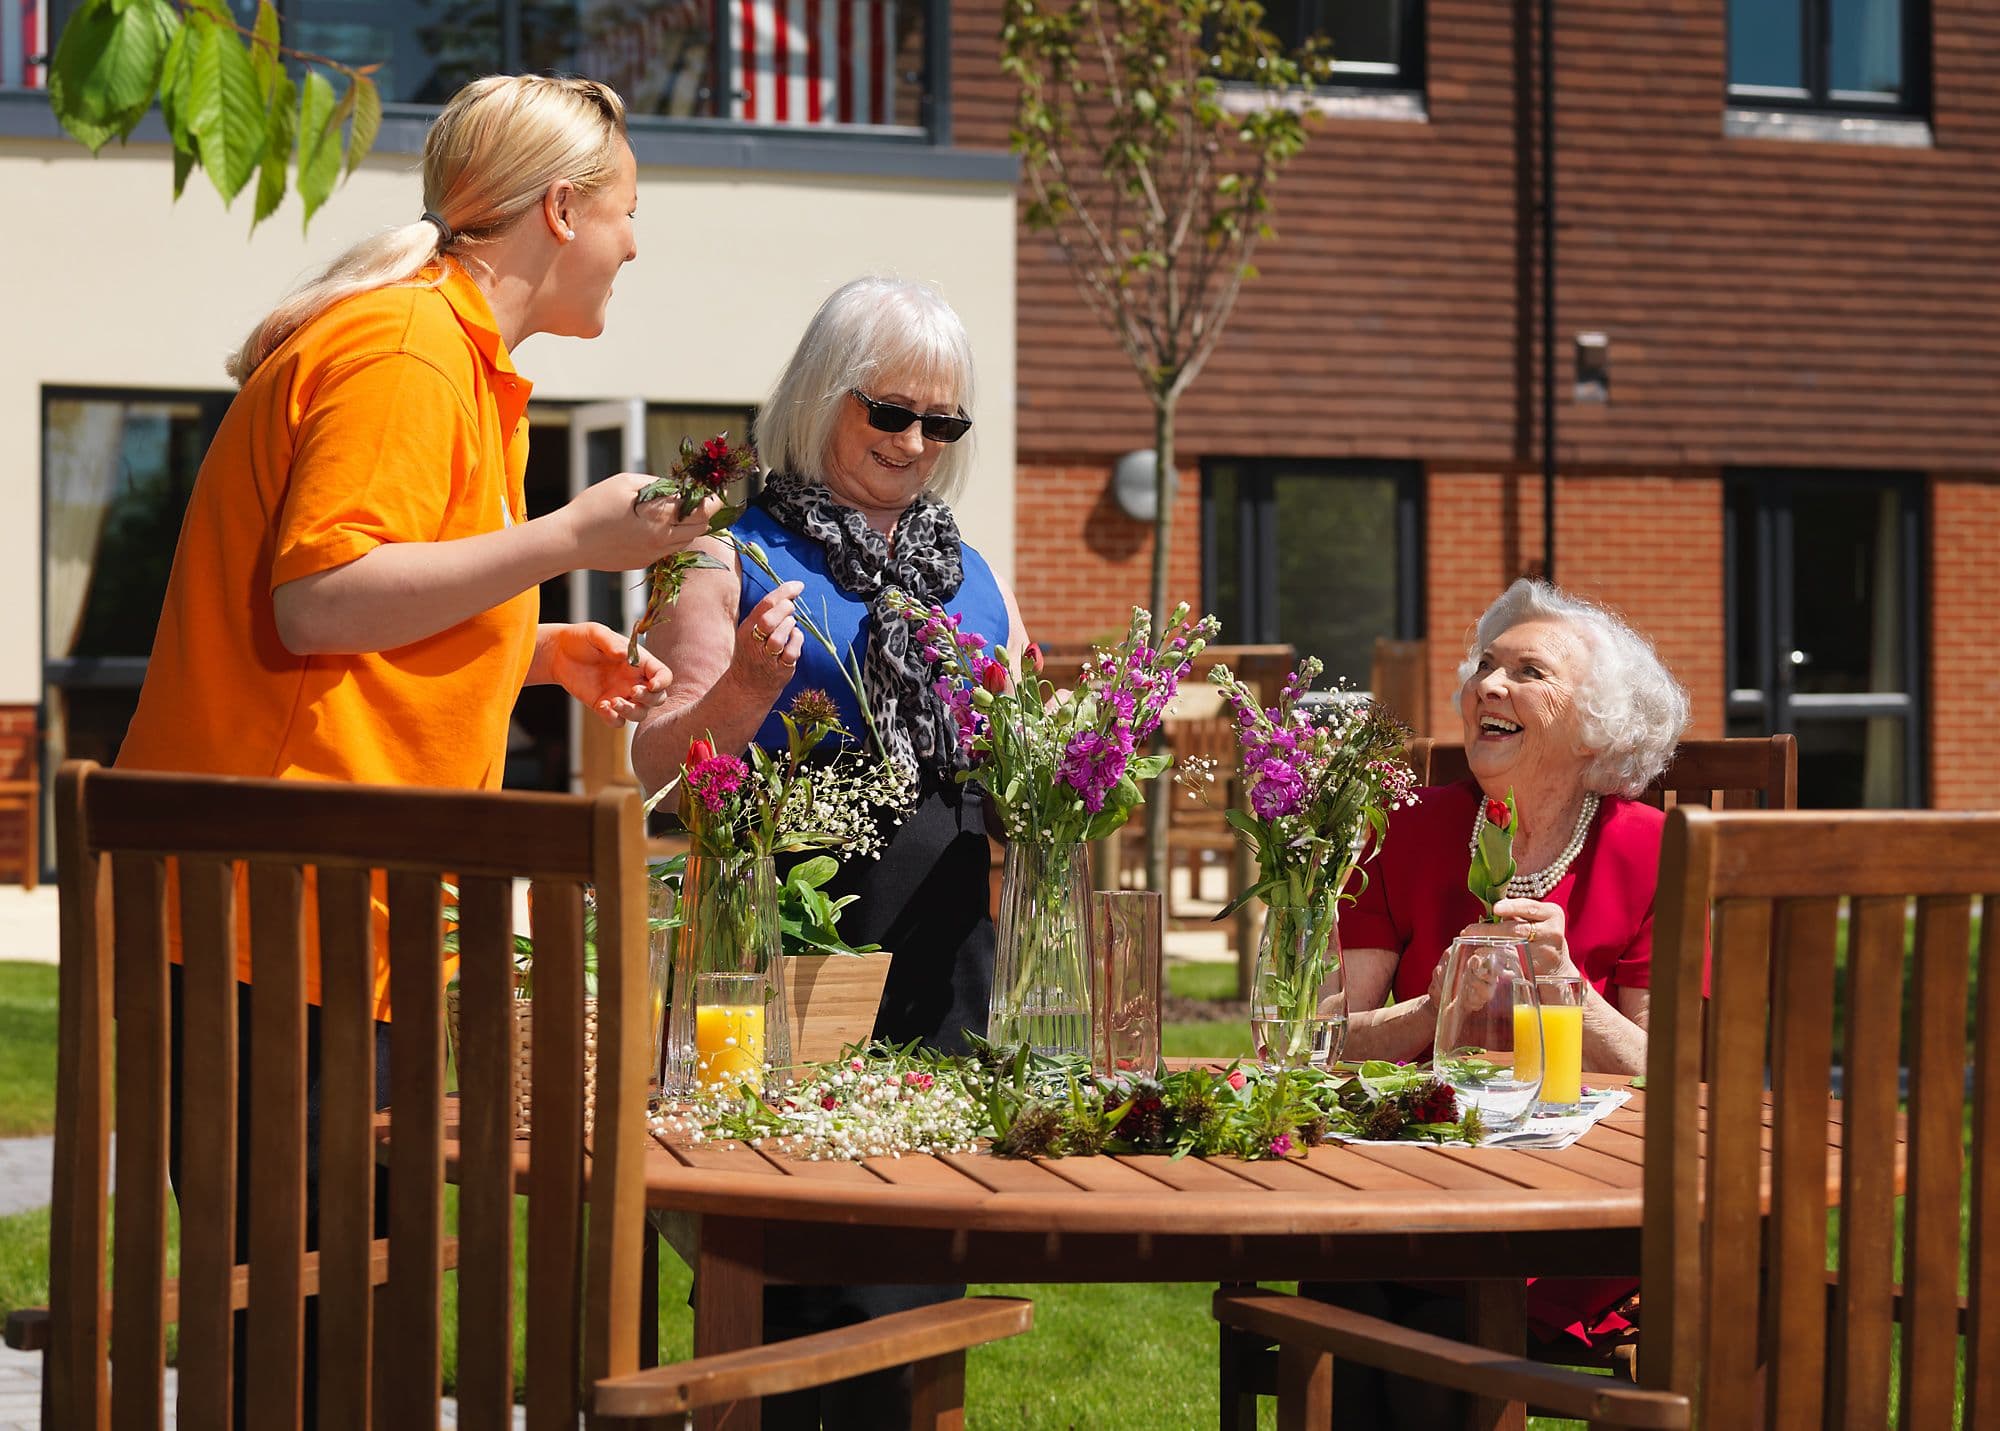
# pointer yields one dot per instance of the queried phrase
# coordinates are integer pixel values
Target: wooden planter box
(831, 1001)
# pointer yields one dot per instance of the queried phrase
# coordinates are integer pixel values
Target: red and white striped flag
(812, 61)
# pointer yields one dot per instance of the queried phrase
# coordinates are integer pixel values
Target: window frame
(1406, 75)
(1255, 621)
(1816, 95)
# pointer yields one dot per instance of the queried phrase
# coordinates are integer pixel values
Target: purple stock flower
(1093, 763)
(1279, 789)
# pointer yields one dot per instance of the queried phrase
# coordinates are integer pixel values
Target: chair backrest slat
(1936, 1059)
(347, 1211)
(255, 861)
(1802, 1002)
(612, 1281)
(208, 1170)
(79, 1368)
(138, 1327)
(1982, 1337)
(412, 1343)
(555, 1202)
(1735, 1129)
(486, 1053)
(1809, 892)
(275, 1352)
(1860, 1373)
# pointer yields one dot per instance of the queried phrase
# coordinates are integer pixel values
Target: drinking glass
(729, 1029)
(1125, 953)
(662, 904)
(1557, 1047)
(1486, 1003)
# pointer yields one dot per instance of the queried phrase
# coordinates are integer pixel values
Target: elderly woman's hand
(1543, 930)
(769, 640)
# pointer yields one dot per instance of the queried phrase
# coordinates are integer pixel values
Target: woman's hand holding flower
(589, 661)
(1542, 928)
(769, 640)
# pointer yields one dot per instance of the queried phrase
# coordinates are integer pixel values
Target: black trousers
(245, 1093)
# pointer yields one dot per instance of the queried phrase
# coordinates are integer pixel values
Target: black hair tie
(445, 235)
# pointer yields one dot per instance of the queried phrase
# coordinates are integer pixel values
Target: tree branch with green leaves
(226, 94)
(1151, 135)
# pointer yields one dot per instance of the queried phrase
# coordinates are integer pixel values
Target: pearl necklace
(1538, 884)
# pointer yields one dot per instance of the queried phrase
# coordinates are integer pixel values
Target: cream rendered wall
(111, 284)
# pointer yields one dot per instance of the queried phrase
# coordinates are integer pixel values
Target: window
(1374, 43)
(1825, 602)
(833, 63)
(1324, 555)
(1868, 56)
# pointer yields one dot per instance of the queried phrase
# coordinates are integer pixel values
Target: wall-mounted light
(1132, 484)
(1593, 367)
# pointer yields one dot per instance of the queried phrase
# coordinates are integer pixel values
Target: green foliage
(1151, 133)
(27, 1049)
(225, 96)
(810, 918)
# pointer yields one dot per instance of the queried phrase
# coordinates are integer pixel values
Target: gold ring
(761, 634)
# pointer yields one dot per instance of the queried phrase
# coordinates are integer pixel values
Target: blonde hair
(870, 328)
(488, 159)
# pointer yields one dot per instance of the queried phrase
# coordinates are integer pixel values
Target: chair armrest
(28, 1329)
(1354, 1336)
(815, 1360)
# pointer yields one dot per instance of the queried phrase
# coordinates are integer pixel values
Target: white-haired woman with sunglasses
(865, 434)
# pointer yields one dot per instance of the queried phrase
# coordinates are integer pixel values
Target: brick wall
(17, 749)
(1965, 614)
(1081, 564)
(1649, 547)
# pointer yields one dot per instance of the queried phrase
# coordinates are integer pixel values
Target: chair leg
(937, 1393)
(1305, 1388)
(1496, 1317)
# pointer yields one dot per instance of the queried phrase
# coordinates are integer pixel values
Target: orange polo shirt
(394, 416)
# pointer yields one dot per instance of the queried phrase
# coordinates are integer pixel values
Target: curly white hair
(1632, 710)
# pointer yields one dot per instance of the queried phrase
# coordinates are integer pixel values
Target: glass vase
(1298, 995)
(1041, 996)
(728, 954)
(1125, 960)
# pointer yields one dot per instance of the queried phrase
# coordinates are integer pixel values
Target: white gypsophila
(841, 803)
(847, 1114)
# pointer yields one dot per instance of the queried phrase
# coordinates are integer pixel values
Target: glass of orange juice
(729, 1030)
(1555, 1048)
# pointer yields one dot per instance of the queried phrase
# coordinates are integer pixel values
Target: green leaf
(814, 872)
(367, 121)
(225, 111)
(264, 59)
(277, 151)
(106, 68)
(319, 143)
(184, 162)
(176, 73)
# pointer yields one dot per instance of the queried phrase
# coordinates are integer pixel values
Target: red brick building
(1791, 250)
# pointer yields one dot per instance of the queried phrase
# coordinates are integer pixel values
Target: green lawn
(27, 1049)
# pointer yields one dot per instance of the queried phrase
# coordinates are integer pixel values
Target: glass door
(1825, 629)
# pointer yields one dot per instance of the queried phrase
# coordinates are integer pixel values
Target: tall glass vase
(1041, 995)
(1298, 995)
(728, 1028)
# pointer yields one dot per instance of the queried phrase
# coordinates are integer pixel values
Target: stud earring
(568, 234)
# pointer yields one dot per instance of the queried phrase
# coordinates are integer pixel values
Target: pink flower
(1281, 1146)
(829, 1102)
(714, 780)
(1236, 1078)
(919, 1081)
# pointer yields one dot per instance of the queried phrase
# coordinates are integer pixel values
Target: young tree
(1151, 133)
(229, 102)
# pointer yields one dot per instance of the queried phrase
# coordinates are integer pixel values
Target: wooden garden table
(744, 1217)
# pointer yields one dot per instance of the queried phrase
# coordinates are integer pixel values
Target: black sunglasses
(889, 417)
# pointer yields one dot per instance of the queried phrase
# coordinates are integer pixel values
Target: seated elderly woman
(1570, 709)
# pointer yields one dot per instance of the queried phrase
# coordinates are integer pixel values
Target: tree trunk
(1158, 798)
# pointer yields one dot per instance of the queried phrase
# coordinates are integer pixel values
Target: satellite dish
(1132, 484)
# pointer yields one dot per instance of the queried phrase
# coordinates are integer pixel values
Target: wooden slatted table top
(1405, 1187)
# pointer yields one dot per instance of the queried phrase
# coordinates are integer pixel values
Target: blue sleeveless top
(844, 616)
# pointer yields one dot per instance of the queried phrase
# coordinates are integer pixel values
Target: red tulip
(1033, 657)
(1496, 814)
(994, 677)
(699, 751)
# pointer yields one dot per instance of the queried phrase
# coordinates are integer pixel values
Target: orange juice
(1562, 1025)
(729, 1045)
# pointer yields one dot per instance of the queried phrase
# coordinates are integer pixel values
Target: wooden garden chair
(380, 1313)
(1743, 773)
(1804, 906)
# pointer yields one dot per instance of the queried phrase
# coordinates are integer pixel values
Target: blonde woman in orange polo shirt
(354, 596)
